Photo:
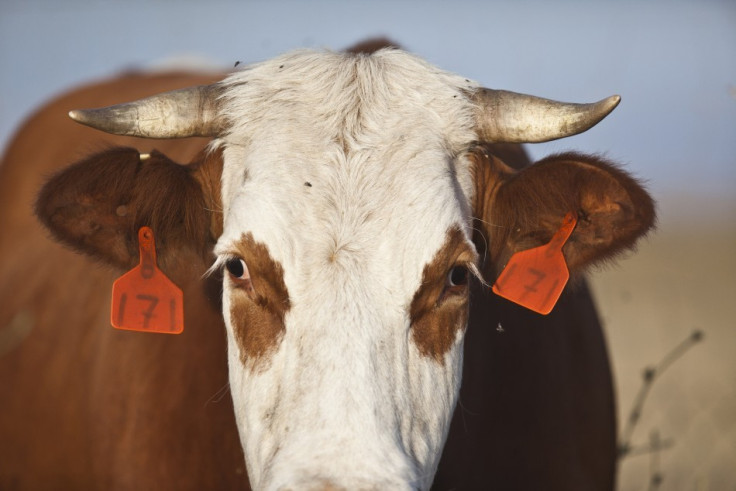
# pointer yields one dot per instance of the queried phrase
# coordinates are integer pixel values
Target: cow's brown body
(88, 407)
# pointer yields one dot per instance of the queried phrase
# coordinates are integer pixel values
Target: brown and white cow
(350, 201)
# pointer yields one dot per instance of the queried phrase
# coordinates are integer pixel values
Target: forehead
(331, 156)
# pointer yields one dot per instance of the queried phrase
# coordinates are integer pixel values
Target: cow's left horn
(508, 117)
(176, 114)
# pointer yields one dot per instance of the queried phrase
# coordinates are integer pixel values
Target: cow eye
(236, 267)
(458, 276)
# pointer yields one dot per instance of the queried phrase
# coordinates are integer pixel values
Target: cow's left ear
(97, 205)
(518, 210)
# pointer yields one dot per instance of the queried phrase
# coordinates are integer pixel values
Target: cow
(335, 232)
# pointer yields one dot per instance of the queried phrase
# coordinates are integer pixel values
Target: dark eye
(458, 276)
(236, 267)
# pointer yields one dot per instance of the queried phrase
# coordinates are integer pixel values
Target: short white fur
(350, 170)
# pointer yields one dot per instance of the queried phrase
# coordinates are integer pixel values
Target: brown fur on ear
(526, 208)
(96, 206)
(489, 172)
(207, 170)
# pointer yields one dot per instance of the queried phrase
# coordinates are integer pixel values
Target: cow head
(349, 199)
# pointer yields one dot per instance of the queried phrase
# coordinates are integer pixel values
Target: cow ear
(97, 205)
(518, 210)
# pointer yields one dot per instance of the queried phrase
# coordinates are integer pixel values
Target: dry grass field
(682, 279)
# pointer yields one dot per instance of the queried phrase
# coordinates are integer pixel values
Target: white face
(346, 195)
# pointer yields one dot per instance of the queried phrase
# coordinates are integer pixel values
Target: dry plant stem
(655, 476)
(650, 374)
(650, 448)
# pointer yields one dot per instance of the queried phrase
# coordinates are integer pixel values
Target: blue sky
(673, 63)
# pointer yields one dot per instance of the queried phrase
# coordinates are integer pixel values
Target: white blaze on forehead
(375, 137)
(346, 168)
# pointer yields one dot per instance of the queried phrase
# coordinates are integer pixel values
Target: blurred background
(673, 63)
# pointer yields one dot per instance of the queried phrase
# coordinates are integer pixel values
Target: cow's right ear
(519, 210)
(97, 205)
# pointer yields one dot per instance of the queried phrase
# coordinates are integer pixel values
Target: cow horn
(508, 117)
(176, 114)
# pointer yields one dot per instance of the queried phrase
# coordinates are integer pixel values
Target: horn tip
(613, 101)
(77, 115)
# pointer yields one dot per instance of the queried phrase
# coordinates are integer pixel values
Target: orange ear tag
(536, 277)
(144, 299)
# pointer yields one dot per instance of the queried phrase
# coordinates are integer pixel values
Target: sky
(673, 63)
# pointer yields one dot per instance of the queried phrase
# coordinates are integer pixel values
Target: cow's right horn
(176, 114)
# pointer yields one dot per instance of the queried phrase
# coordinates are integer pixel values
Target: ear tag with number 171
(144, 299)
(536, 277)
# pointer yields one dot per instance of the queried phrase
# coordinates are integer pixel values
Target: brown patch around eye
(438, 312)
(257, 313)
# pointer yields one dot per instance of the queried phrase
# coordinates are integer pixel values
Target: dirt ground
(682, 279)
